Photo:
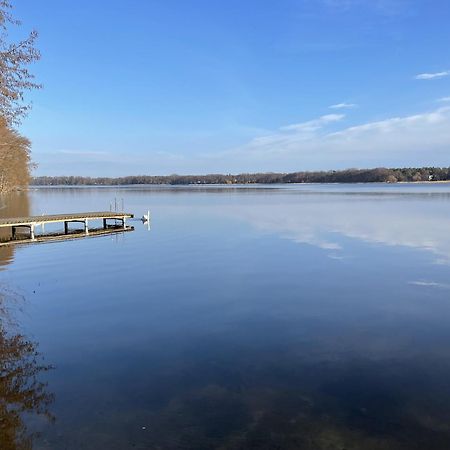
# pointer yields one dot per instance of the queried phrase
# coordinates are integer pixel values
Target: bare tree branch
(15, 78)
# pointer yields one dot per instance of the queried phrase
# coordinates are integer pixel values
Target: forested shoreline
(377, 175)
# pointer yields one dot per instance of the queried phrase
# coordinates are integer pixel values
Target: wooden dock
(32, 222)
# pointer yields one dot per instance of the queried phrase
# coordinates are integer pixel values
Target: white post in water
(86, 227)
(32, 231)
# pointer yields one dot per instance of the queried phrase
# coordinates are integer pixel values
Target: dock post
(104, 224)
(86, 227)
(66, 227)
(32, 231)
(14, 232)
(124, 224)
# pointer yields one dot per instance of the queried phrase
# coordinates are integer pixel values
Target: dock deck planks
(24, 221)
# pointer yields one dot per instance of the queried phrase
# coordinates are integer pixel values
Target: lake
(260, 317)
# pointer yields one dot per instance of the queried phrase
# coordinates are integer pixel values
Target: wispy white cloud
(343, 106)
(290, 135)
(432, 76)
(83, 152)
(320, 144)
(337, 257)
(444, 99)
(430, 284)
(312, 125)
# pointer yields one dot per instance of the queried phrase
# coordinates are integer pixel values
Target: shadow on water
(16, 204)
(22, 394)
(208, 404)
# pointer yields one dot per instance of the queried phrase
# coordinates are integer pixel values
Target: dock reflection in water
(61, 236)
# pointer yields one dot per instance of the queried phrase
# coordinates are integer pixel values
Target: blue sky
(200, 86)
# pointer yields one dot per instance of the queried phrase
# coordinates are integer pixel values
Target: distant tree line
(380, 175)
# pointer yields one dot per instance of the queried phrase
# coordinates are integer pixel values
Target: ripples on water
(311, 317)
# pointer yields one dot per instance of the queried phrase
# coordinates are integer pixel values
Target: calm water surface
(292, 317)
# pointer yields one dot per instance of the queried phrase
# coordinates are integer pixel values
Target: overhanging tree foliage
(15, 79)
(14, 158)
